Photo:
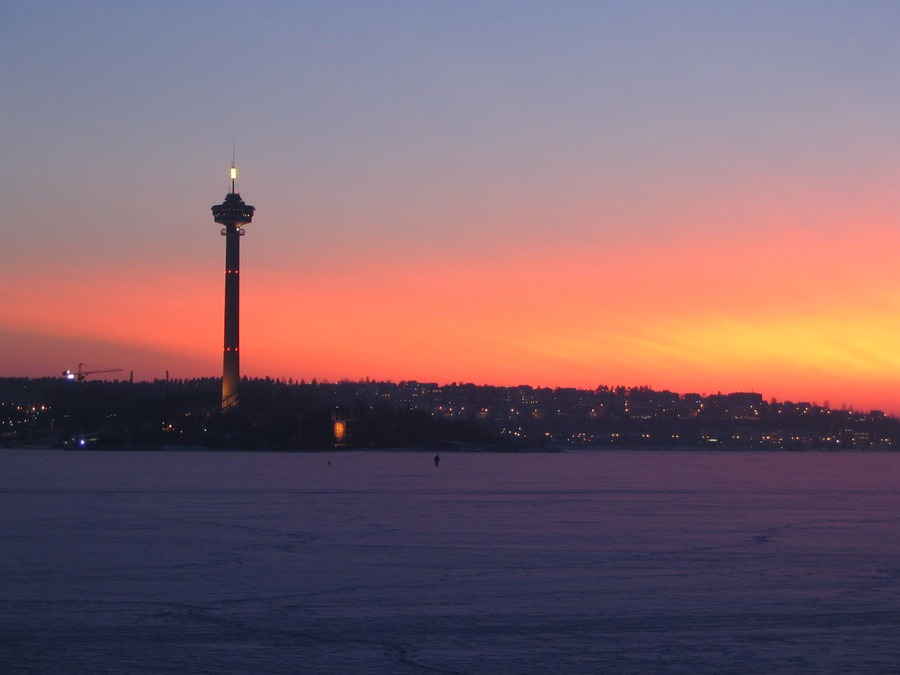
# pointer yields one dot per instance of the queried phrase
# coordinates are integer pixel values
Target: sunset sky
(694, 196)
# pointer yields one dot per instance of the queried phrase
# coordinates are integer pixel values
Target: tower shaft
(231, 359)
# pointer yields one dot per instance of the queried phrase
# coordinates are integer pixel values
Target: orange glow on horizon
(682, 316)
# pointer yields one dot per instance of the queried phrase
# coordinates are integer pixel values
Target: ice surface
(619, 562)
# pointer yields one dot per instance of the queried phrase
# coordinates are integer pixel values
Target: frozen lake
(347, 562)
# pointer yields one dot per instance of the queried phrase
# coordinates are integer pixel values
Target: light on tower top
(233, 172)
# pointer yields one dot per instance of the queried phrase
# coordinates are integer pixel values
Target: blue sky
(414, 143)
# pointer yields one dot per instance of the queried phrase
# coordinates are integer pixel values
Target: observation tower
(233, 214)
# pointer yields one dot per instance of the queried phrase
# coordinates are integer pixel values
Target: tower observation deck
(233, 214)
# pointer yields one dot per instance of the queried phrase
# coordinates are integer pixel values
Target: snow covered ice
(619, 562)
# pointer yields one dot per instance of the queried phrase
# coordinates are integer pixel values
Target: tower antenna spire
(233, 167)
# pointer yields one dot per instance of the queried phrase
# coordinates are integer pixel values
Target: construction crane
(80, 375)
